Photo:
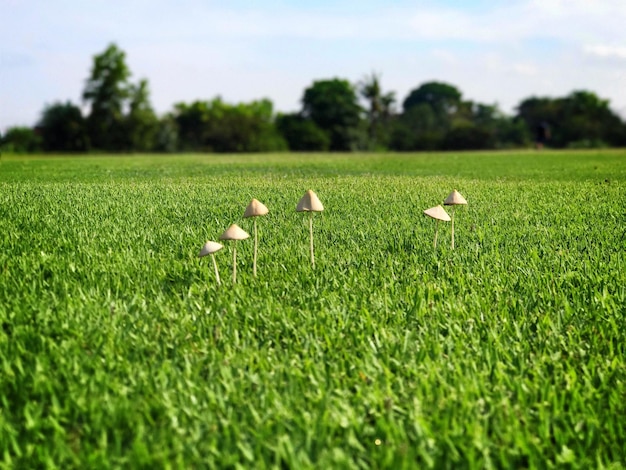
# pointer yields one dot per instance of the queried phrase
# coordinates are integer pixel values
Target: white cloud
(606, 52)
(445, 56)
(568, 21)
(526, 69)
(516, 20)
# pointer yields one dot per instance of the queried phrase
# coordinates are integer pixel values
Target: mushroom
(210, 248)
(438, 213)
(255, 209)
(454, 199)
(234, 232)
(310, 203)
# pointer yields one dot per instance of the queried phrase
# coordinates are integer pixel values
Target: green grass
(117, 349)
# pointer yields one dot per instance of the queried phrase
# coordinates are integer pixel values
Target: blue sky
(493, 51)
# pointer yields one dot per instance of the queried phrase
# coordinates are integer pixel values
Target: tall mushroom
(438, 213)
(210, 248)
(255, 209)
(454, 199)
(234, 232)
(310, 203)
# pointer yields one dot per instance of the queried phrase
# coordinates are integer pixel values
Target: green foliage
(106, 92)
(166, 138)
(429, 115)
(510, 132)
(468, 137)
(379, 111)
(20, 140)
(63, 129)
(302, 134)
(216, 126)
(192, 122)
(418, 128)
(435, 118)
(141, 123)
(118, 349)
(333, 106)
(579, 117)
(443, 99)
(121, 117)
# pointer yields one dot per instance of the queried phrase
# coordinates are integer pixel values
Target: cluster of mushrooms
(439, 213)
(309, 203)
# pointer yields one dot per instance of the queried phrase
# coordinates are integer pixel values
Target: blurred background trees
(106, 93)
(379, 110)
(332, 105)
(63, 128)
(578, 120)
(215, 126)
(336, 115)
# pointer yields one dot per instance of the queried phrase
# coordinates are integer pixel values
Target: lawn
(118, 349)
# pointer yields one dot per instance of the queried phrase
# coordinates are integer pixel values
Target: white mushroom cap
(310, 202)
(454, 199)
(234, 232)
(255, 208)
(209, 248)
(438, 213)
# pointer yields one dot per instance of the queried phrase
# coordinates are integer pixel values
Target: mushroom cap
(309, 202)
(438, 213)
(234, 232)
(255, 208)
(454, 199)
(209, 248)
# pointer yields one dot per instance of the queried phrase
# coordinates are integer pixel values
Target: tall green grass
(117, 348)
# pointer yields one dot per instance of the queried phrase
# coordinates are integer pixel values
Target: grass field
(117, 349)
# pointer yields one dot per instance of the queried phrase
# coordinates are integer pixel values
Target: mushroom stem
(311, 232)
(452, 243)
(256, 243)
(436, 233)
(217, 273)
(235, 263)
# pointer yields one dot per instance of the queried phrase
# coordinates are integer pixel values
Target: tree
(192, 122)
(428, 114)
(106, 92)
(417, 128)
(467, 137)
(301, 134)
(587, 121)
(379, 110)
(498, 130)
(142, 123)
(216, 126)
(332, 105)
(534, 111)
(444, 99)
(63, 129)
(245, 127)
(20, 140)
(166, 138)
(580, 119)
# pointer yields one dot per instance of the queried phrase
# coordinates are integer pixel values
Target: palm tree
(380, 105)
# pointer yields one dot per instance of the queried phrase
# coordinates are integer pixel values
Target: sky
(495, 52)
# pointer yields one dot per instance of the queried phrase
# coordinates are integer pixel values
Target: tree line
(336, 115)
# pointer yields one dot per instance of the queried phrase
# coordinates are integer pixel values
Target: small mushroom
(210, 248)
(234, 232)
(310, 203)
(255, 209)
(454, 199)
(438, 213)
